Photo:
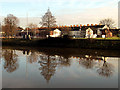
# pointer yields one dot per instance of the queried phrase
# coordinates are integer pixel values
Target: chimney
(87, 24)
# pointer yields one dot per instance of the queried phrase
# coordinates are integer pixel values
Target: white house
(55, 33)
(89, 33)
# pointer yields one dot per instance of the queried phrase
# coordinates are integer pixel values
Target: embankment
(65, 43)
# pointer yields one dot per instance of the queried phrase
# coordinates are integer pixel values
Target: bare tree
(10, 23)
(48, 20)
(108, 21)
(0, 27)
(33, 28)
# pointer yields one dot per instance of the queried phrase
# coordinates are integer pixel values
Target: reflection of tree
(48, 65)
(106, 70)
(10, 60)
(64, 61)
(87, 62)
(33, 57)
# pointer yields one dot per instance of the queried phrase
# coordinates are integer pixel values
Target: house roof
(94, 28)
(75, 28)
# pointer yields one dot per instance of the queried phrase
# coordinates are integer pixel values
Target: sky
(67, 12)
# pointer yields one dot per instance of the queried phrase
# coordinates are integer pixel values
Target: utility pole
(28, 36)
(27, 23)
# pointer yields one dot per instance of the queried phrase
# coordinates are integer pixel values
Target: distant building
(89, 31)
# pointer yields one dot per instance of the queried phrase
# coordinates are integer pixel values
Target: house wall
(89, 33)
(55, 33)
(75, 33)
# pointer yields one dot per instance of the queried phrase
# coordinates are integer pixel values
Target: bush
(118, 35)
(65, 36)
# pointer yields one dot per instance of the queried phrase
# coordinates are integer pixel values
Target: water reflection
(107, 69)
(10, 57)
(88, 62)
(48, 64)
(33, 57)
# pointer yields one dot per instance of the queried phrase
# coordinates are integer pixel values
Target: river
(24, 67)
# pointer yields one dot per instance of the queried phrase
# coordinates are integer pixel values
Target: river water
(58, 68)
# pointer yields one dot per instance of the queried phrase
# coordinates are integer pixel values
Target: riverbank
(65, 43)
(66, 52)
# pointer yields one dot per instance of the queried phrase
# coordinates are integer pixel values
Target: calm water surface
(58, 68)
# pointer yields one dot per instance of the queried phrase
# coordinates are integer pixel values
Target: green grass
(111, 38)
(17, 40)
(79, 38)
(114, 38)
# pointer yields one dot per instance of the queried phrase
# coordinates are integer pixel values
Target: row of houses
(75, 31)
(89, 31)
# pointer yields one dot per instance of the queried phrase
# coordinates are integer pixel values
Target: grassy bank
(65, 42)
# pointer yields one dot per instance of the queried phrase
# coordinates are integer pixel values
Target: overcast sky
(67, 12)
